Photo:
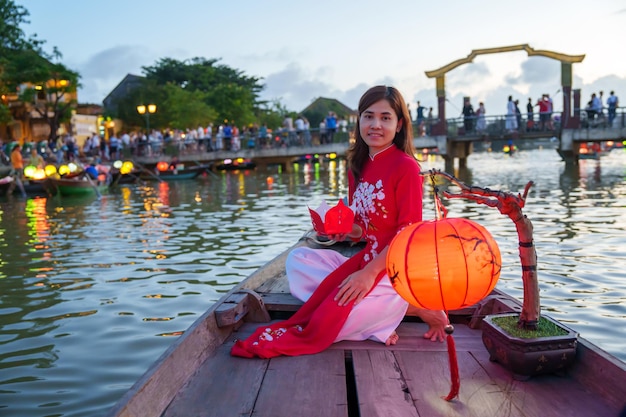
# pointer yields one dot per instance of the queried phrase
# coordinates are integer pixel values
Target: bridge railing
(489, 127)
(550, 124)
(503, 125)
(605, 119)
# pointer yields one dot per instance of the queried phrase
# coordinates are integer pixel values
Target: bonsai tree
(510, 205)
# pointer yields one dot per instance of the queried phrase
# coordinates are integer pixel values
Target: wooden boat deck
(369, 379)
(198, 377)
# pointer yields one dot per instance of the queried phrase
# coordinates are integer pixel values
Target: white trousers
(375, 317)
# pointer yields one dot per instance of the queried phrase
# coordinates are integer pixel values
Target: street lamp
(147, 110)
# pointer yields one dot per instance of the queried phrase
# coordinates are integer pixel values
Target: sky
(339, 48)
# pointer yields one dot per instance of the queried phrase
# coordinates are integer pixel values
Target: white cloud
(102, 71)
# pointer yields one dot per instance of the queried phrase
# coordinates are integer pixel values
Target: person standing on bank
(36, 160)
(511, 117)
(331, 126)
(352, 298)
(529, 115)
(17, 170)
(481, 122)
(613, 103)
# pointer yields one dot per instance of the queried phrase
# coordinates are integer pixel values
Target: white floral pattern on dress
(270, 335)
(368, 202)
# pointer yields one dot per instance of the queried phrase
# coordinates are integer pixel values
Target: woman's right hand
(436, 320)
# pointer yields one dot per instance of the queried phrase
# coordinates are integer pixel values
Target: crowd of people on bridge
(225, 136)
(423, 123)
(474, 121)
(595, 110)
(298, 132)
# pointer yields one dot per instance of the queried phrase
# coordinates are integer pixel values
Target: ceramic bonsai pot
(529, 357)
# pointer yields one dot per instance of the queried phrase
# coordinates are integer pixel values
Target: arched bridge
(452, 140)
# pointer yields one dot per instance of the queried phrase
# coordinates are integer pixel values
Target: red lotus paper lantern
(444, 264)
(331, 221)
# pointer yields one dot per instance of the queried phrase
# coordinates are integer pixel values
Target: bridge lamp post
(147, 110)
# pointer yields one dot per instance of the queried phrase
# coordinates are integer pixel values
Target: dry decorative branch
(511, 205)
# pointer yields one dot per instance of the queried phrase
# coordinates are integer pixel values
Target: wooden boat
(235, 164)
(197, 376)
(76, 186)
(132, 177)
(118, 178)
(31, 187)
(183, 173)
(593, 150)
(592, 154)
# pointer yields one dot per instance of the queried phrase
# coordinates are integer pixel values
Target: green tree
(146, 93)
(43, 86)
(12, 39)
(186, 109)
(197, 92)
(232, 94)
(272, 114)
(47, 88)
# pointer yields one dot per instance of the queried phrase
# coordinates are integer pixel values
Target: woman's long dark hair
(359, 151)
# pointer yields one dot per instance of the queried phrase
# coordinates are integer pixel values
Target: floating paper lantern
(64, 170)
(39, 174)
(126, 168)
(163, 166)
(444, 264)
(331, 221)
(29, 171)
(50, 170)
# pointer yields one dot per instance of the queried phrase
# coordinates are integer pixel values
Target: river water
(92, 291)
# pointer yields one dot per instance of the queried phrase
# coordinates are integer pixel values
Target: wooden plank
(275, 285)
(222, 386)
(604, 374)
(552, 395)
(428, 379)
(381, 388)
(232, 310)
(244, 305)
(411, 338)
(308, 385)
(281, 302)
(152, 393)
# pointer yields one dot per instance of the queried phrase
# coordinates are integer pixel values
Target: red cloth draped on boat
(300, 334)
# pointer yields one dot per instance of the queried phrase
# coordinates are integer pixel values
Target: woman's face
(378, 126)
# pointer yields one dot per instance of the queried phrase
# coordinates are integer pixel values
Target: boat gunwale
(152, 393)
(129, 405)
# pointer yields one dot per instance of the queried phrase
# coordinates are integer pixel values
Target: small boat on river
(593, 150)
(197, 376)
(173, 173)
(235, 164)
(31, 187)
(76, 186)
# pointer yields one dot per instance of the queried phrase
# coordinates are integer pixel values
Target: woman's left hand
(337, 237)
(354, 287)
(356, 232)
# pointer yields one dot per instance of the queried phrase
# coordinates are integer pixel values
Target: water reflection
(120, 277)
(27, 292)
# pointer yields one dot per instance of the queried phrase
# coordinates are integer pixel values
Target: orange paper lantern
(163, 166)
(444, 264)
